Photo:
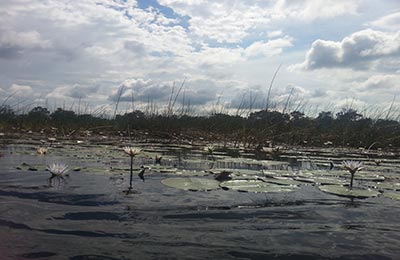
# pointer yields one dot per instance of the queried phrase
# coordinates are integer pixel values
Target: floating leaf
(192, 184)
(256, 186)
(392, 195)
(281, 181)
(345, 192)
(385, 185)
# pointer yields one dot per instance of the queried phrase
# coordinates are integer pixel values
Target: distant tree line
(262, 128)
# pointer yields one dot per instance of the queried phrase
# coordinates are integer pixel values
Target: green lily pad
(256, 186)
(190, 173)
(304, 179)
(238, 172)
(328, 181)
(346, 192)
(282, 181)
(392, 195)
(162, 169)
(385, 185)
(369, 177)
(28, 167)
(192, 184)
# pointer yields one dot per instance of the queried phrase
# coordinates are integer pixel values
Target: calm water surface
(88, 216)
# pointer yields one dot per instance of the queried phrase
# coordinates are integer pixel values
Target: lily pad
(385, 185)
(282, 181)
(346, 192)
(328, 181)
(192, 184)
(256, 186)
(392, 195)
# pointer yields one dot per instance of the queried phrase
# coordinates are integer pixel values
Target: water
(89, 216)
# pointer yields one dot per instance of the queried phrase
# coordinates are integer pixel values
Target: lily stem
(351, 181)
(130, 179)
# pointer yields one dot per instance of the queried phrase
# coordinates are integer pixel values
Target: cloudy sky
(333, 53)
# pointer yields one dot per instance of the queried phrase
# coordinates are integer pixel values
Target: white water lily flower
(41, 150)
(352, 166)
(209, 148)
(131, 151)
(58, 169)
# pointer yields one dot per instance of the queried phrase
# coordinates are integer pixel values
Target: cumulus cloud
(250, 99)
(197, 92)
(388, 22)
(308, 10)
(230, 21)
(292, 93)
(269, 48)
(137, 48)
(387, 83)
(13, 44)
(361, 50)
(75, 91)
(20, 90)
(63, 48)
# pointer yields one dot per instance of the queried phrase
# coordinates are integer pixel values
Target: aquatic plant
(132, 152)
(352, 167)
(210, 150)
(141, 172)
(378, 162)
(58, 169)
(191, 184)
(157, 159)
(41, 150)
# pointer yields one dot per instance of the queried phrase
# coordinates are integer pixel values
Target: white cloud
(269, 48)
(230, 21)
(20, 90)
(387, 83)
(222, 47)
(308, 10)
(13, 44)
(75, 91)
(195, 92)
(273, 34)
(389, 22)
(361, 50)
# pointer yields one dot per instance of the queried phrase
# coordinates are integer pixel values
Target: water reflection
(57, 182)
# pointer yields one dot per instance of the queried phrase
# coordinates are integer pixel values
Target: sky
(327, 54)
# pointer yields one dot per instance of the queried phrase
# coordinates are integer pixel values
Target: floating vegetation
(346, 192)
(132, 152)
(392, 195)
(29, 167)
(58, 169)
(281, 181)
(41, 150)
(352, 167)
(256, 186)
(191, 184)
(385, 186)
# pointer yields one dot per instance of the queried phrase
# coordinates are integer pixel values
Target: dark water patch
(10, 224)
(94, 257)
(81, 233)
(96, 215)
(36, 255)
(230, 215)
(65, 199)
(269, 256)
(362, 257)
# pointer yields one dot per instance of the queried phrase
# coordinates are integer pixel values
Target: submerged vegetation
(264, 128)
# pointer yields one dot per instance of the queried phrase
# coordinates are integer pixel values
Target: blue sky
(334, 53)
